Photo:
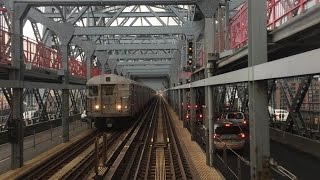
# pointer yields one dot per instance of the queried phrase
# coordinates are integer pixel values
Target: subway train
(113, 100)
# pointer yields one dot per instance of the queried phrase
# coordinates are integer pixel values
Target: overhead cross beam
(104, 2)
(155, 30)
(155, 68)
(139, 63)
(142, 56)
(112, 14)
(136, 47)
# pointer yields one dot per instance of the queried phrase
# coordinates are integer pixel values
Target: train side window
(93, 91)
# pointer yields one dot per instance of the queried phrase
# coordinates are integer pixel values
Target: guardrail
(37, 54)
(278, 12)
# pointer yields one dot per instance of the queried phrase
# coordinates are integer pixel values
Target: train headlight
(119, 107)
(97, 107)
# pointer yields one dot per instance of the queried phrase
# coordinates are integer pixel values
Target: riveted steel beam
(142, 56)
(112, 14)
(132, 30)
(136, 47)
(104, 2)
(124, 63)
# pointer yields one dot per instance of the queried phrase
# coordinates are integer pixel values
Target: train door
(108, 98)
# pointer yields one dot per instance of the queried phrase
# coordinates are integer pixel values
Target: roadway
(302, 165)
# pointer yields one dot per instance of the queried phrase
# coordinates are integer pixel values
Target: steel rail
(56, 162)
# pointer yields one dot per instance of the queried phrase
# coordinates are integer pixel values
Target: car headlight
(119, 107)
(97, 107)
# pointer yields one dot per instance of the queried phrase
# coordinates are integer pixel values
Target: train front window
(93, 91)
(108, 90)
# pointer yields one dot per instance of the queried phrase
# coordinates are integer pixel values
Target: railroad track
(155, 153)
(46, 169)
(146, 150)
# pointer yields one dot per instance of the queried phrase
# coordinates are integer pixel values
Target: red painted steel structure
(37, 54)
(279, 12)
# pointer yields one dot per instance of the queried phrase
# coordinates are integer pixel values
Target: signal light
(190, 62)
(190, 48)
(190, 53)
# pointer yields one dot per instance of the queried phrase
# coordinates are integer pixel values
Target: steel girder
(157, 67)
(123, 30)
(104, 2)
(43, 115)
(59, 103)
(136, 47)
(139, 63)
(294, 104)
(112, 14)
(142, 56)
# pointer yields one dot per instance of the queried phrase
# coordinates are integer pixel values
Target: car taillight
(242, 135)
(227, 125)
(215, 136)
(244, 122)
(200, 115)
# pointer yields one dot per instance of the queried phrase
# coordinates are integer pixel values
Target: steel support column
(209, 49)
(227, 25)
(88, 59)
(192, 113)
(177, 100)
(184, 109)
(258, 92)
(179, 103)
(210, 106)
(16, 124)
(173, 99)
(65, 93)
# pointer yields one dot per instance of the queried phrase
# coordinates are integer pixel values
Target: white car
(236, 117)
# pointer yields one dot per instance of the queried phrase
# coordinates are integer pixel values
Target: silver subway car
(113, 99)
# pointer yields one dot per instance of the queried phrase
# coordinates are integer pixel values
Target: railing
(40, 55)
(278, 12)
(239, 28)
(5, 53)
(36, 54)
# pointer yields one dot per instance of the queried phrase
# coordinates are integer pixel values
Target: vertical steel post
(173, 99)
(210, 107)
(104, 152)
(209, 48)
(89, 65)
(227, 25)
(184, 108)
(97, 156)
(193, 112)
(34, 138)
(51, 132)
(65, 92)
(258, 100)
(16, 124)
(177, 99)
(179, 104)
